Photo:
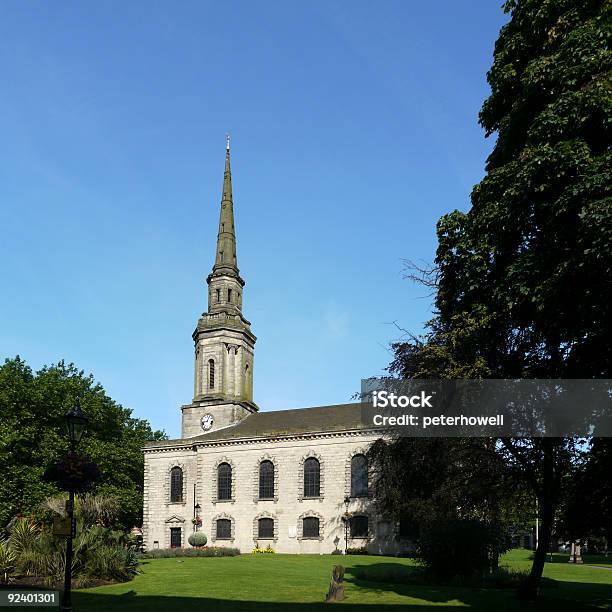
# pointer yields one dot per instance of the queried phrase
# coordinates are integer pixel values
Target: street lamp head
(347, 501)
(76, 421)
(197, 506)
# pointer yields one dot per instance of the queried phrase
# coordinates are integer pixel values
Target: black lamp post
(196, 509)
(76, 421)
(347, 501)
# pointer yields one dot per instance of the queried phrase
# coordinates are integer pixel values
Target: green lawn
(285, 582)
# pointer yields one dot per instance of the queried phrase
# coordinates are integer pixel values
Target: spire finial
(227, 141)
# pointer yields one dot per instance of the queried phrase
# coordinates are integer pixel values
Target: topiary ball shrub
(197, 539)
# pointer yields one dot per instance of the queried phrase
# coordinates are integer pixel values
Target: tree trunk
(546, 501)
(494, 564)
(495, 523)
(530, 590)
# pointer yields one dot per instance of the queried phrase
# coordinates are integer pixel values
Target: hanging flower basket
(73, 472)
(197, 521)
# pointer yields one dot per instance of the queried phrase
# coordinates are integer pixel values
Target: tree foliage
(447, 490)
(524, 278)
(420, 480)
(32, 406)
(586, 513)
(460, 547)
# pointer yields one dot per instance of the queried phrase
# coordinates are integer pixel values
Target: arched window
(224, 529)
(218, 295)
(224, 481)
(312, 478)
(176, 484)
(229, 295)
(211, 373)
(359, 476)
(359, 526)
(265, 528)
(310, 527)
(266, 480)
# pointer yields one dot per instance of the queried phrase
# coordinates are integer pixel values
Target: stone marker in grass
(336, 586)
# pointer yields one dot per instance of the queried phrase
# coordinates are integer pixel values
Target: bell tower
(224, 343)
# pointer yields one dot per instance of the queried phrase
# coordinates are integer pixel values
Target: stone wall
(287, 508)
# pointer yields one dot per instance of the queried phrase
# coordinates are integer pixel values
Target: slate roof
(341, 417)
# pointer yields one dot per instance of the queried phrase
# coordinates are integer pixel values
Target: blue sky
(354, 128)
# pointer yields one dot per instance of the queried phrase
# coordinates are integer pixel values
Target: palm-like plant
(98, 509)
(99, 552)
(7, 560)
(89, 508)
(23, 532)
(22, 540)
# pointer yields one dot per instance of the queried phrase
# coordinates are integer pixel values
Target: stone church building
(295, 480)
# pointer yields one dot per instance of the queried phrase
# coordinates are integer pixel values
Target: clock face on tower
(207, 422)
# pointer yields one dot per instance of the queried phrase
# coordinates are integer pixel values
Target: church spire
(225, 259)
(224, 282)
(224, 342)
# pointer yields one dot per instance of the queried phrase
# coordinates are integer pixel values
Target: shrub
(197, 538)
(508, 578)
(505, 578)
(23, 540)
(23, 533)
(109, 562)
(209, 551)
(90, 509)
(357, 551)
(7, 560)
(459, 547)
(390, 573)
(501, 578)
(99, 554)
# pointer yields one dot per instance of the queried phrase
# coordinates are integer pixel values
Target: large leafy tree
(32, 406)
(428, 482)
(523, 279)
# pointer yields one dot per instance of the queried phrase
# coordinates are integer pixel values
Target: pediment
(175, 519)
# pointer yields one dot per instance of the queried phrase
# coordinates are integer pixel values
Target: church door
(175, 537)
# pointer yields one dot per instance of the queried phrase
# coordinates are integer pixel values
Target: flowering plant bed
(268, 550)
(195, 551)
(357, 551)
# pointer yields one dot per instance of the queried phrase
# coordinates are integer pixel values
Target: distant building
(283, 478)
